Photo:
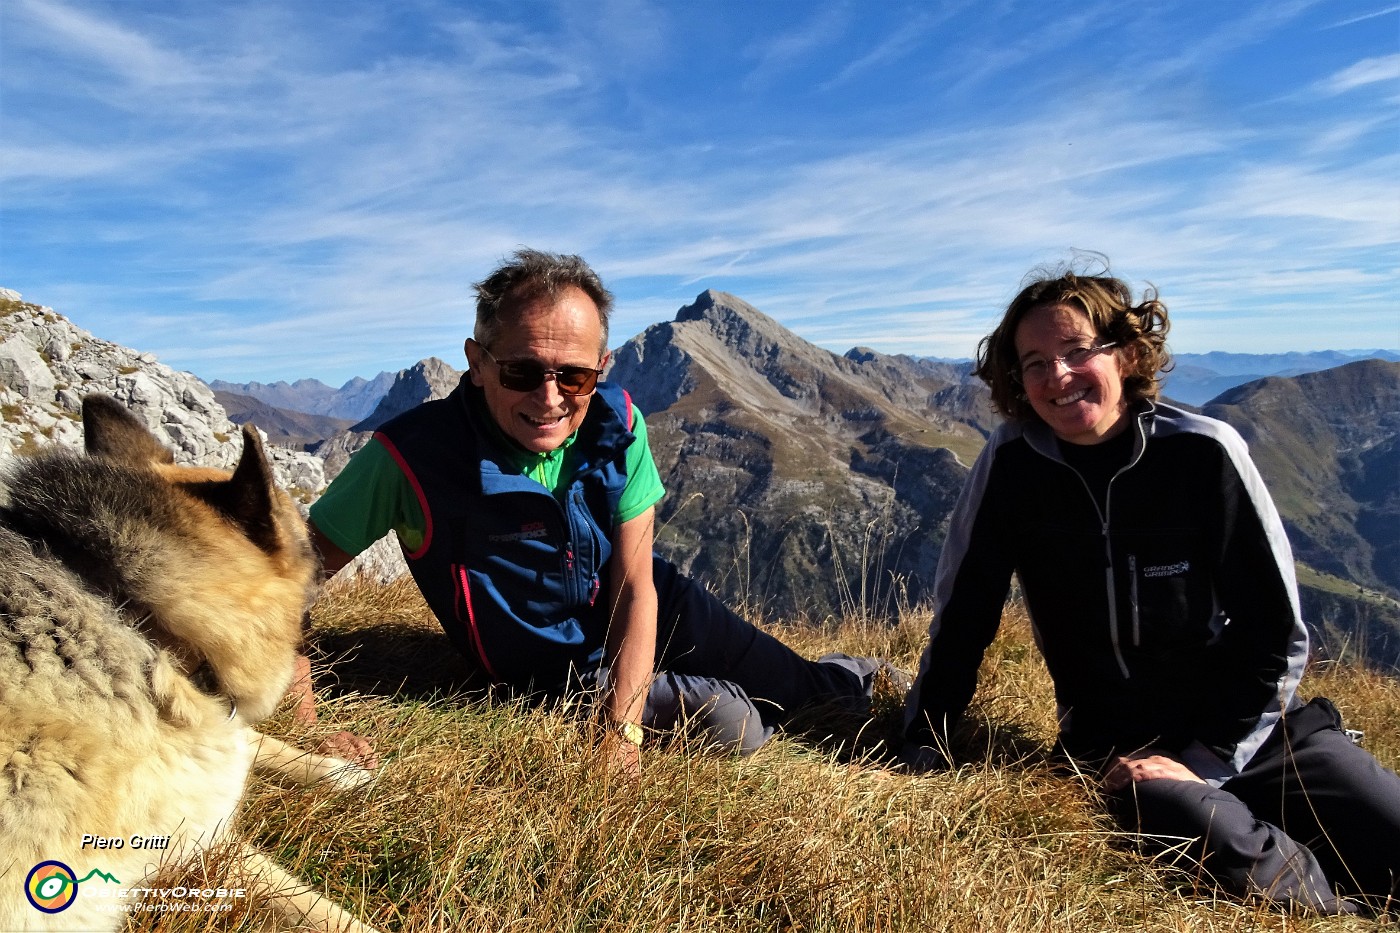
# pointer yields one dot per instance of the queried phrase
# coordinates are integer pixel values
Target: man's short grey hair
(529, 275)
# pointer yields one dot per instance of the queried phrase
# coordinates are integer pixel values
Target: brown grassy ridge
(491, 816)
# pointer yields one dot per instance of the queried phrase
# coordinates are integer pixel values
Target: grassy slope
(487, 817)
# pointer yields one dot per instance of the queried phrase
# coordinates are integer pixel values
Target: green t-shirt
(371, 496)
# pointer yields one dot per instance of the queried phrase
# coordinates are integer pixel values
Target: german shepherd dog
(150, 614)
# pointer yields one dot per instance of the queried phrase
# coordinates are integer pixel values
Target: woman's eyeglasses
(1076, 361)
(529, 375)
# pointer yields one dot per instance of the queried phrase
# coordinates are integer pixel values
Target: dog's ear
(246, 497)
(110, 431)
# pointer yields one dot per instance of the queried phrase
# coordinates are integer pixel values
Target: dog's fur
(149, 615)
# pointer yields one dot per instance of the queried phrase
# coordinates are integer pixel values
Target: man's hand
(345, 745)
(352, 748)
(620, 756)
(1146, 765)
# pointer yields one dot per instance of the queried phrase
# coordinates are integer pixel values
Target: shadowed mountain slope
(285, 426)
(1328, 445)
(799, 480)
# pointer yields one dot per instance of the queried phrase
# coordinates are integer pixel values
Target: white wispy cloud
(117, 53)
(336, 183)
(1367, 71)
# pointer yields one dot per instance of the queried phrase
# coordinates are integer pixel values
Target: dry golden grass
(491, 816)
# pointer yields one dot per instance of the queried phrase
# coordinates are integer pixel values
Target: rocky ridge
(1328, 444)
(283, 426)
(47, 365)
(423, 381)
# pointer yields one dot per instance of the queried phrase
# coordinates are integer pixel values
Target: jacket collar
(1044, 442)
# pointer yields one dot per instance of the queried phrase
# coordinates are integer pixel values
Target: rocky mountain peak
(725, 311)
(722, 354)
(423, 381)
(745, 414)
(745, 331)
(861, 354)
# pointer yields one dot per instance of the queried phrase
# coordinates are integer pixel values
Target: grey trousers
(727, 683)
(1310, 819)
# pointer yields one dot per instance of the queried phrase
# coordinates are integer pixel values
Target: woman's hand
(1146, 765)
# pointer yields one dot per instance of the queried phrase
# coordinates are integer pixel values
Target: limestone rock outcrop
(47, 365)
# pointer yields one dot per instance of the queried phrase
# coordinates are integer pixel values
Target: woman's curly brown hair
(1139, 329)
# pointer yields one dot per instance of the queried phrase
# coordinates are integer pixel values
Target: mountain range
(288, 427)
(803, 483)
(1196, 378)
(800, 481)
(351, 402)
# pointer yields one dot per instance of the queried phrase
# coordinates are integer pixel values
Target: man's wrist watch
(630, 731)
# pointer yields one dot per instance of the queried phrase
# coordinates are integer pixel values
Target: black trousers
(718, 675)
(1311, 817)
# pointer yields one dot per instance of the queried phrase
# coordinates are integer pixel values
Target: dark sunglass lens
(577, 380)
(521, 376)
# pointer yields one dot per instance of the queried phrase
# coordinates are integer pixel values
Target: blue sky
(273, 190)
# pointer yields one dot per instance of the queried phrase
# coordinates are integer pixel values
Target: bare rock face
(47, 365)
(423, 381)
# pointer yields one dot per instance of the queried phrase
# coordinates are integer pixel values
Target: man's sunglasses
(529, 375)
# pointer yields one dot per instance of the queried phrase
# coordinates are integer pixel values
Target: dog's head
(220, 564)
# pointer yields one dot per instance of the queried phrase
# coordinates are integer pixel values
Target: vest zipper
(1133, 597)
(573, 591)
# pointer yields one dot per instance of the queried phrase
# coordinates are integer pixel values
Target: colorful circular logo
(51, 887)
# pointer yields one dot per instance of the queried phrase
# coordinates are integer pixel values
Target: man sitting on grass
(525, 502)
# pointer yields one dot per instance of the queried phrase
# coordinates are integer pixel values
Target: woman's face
(1081, 407)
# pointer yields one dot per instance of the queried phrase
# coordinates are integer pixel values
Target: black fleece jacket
(1168, 615)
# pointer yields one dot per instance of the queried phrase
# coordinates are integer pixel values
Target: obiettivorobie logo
(52, 886)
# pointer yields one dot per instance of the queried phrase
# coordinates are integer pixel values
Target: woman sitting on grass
(1161, 589)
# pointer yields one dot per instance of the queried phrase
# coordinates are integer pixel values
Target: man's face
(553, 333)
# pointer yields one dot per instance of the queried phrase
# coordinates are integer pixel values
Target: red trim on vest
(417, 491)
(627, 397)
(471, 622)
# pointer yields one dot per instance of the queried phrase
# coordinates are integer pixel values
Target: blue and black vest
(512, 573)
